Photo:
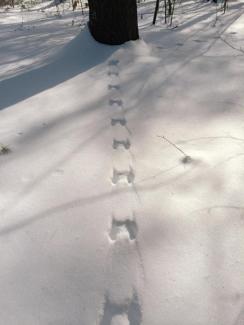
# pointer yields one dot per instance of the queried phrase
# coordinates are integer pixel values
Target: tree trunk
(155, 12)
(113, 21)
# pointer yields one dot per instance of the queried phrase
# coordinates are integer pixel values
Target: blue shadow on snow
(80, 55)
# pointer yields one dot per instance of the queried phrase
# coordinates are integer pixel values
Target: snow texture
(121, 191)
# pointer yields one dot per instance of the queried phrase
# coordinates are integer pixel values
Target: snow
(102, 220)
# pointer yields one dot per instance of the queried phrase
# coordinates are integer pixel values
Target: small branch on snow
(232, 46)
(4, 149)
(186, 159)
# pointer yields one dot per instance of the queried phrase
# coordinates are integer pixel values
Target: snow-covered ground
(121, 199)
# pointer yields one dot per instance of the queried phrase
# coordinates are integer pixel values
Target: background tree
(113, 21)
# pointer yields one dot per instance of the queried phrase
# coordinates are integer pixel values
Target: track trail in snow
(122, 303)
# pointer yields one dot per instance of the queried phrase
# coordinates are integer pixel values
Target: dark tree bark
(155, 12)
(113, 21)
(225, 5)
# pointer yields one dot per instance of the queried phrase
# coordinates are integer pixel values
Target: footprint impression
(119, 226)
(121, 302)
(128, 313)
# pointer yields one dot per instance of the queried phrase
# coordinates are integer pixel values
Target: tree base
(113, 22)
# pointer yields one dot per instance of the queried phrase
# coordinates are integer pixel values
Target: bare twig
(174, 145)
(232, 46)
(187, 159)
(4, 149)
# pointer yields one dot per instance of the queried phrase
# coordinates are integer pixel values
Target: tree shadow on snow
(80, 55)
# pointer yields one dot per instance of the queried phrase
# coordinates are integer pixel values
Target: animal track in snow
(120, 225)
(115, 87)
(117, 102)
(113, 73)
(122, 121)
(124, 143)
(198, 41)
(119, 175)
(126, 310)
(128, 313)
(113, 62)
